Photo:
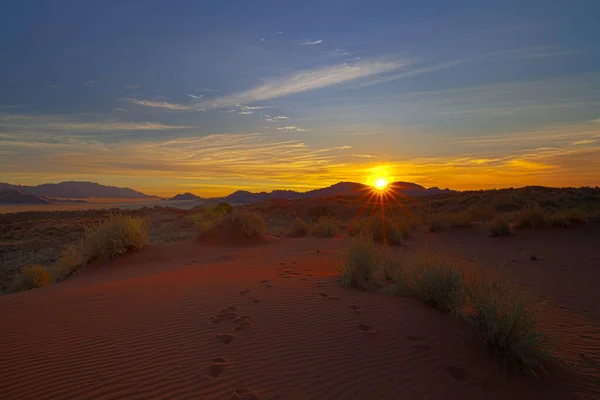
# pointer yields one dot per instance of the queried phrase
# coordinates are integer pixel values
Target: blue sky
(210, 96)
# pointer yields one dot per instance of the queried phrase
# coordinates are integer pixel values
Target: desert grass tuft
(531, 218)
(326, 227)
(568, 217)
(382, 229)
(499, 227)
(31, 277)
(361, 265)
(439, 282)
(249, 222)
(299, 228)
(507, 323)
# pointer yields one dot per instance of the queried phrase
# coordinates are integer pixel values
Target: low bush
(382, 229)
(439, 282)
(568, 217)
(249, 222)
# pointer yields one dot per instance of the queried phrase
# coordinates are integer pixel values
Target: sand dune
(191, 320)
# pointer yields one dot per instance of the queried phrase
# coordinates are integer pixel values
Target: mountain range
(341, 188)
(49, 193)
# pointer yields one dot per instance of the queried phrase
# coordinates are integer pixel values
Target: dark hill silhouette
(186, 196)
(17, 197)
(69, 190)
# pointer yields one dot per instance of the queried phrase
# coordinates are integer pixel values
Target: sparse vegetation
(326, 227)
(506, 321)
(299, 228)
(435, 222)
(32, 277)
(499, 227)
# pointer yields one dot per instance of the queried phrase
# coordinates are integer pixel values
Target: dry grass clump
(463, 219)
(499, 227)
(31, 277)
(326, 227)
(356, 226)
(299, 228)
(361, 265)
(568, 217)
(508, 322)
(435, 222)
(249, 222)
(383, 229)
(531, 218)
(438, 281)
(116, 235)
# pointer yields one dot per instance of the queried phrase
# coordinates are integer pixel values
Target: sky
(213, 96)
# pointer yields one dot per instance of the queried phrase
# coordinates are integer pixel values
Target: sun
(380, 183)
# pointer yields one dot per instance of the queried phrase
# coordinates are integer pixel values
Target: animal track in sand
(244, 394)
(228, 313)
(254, 299)
(245, 292)
(355, 308)
(265, 281)
(216, 367)
(225, 338)
(243, 323)
(458, 373)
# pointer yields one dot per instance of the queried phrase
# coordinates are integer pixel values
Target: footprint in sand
(355, 308)
(462, 375)
(243, 323)
(327, 296)
(265, 281)
(216, 367)
(225, 338)
(254, 299)
(245, 292)
(228, 313)
(368, 329)
(244, 394)
(415, 340)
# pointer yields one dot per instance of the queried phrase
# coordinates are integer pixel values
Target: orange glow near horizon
(381, 184)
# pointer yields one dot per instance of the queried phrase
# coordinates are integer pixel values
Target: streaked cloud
(275, 118)
(53, 86)
(290, 128)
(195, 97)
(311, 42)
(161, 104)
(305, 81)
(120, 109)
(130, 86)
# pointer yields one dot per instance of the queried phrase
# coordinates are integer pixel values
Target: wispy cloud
(161, 104)
(89, 83)
(290, 128)
(120, 109)
(246, 112)
(130, 86)
(53, 87)
(37, 125)
(195, 97)
(304, 81)
(311, 42)
(275, 118)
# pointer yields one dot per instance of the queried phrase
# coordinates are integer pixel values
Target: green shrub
(223, 209)
(326, 227)
(32, 277)
(508, 323)
(203, 224)
(499, 227)
(361, 265)
(439, 282)
(531, 218)
(299, 228)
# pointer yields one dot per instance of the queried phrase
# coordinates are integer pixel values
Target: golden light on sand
(380, 183)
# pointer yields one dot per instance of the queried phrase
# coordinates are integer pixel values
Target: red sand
(193, 321)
